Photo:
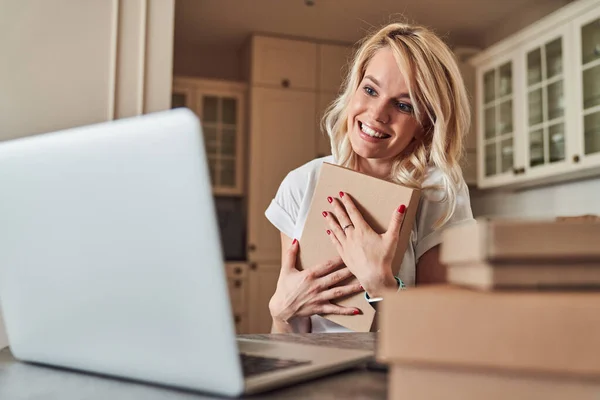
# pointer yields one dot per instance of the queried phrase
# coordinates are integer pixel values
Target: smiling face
(381, 121)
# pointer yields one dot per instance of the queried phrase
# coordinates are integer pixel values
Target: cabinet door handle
(251, 247)
(522, 170)
(237, 319)
(253, 266)
(237, 270)
(515, 170)
(237, 283)
(576, 158)
(285, 83)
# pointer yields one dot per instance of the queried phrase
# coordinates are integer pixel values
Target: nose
(380, 111)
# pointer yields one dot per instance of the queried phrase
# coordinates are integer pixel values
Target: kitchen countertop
(20, 381)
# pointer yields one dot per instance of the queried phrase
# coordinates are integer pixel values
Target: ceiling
(226, 23)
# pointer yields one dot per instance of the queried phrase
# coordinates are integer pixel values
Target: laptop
(111, 262)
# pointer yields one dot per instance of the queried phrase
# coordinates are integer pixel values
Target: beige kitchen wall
(67, 63)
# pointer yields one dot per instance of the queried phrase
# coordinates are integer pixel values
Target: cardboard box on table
(454, 343)
(376, 199)
(504, 253)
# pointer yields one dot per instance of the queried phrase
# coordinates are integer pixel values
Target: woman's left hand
(367, 254)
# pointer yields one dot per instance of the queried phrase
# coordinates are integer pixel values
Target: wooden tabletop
(19, 381)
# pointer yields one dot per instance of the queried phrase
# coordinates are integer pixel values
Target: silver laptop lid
(110, 259)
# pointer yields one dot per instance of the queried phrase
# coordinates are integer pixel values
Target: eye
(404, 107)
(370, 91)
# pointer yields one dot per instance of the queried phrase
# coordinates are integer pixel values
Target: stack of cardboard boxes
(518, 319)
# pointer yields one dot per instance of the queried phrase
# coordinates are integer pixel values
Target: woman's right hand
(307, 292)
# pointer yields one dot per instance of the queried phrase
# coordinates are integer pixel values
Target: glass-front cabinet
(219, 105)
(538, 101)
(545, 123)
(588, 62)
(497, 121)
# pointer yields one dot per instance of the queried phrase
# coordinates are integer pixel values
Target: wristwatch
(374, 300)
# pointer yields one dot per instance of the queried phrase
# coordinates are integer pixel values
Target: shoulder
(293, 194)
(301, 177)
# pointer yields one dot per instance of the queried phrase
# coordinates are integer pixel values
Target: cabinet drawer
(284, 63)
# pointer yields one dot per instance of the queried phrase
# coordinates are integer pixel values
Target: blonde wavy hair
(440, 103)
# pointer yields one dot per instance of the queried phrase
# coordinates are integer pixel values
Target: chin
(364, 149)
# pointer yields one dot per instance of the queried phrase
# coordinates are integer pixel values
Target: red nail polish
(356, 312)
(401, 209)
(294, 241)
(324, 213)
(328, 232)
(362, 288)
(341, 194)
(329, 199)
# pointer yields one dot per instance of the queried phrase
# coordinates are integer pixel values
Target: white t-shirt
(289, 208)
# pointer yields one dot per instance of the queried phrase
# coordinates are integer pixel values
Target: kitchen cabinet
(538, 101)
(220, 106)
(262, 281)
(291, 82)
(333, 61)
(283, 63)
(333, 66)
(281, 139)
(238, 284)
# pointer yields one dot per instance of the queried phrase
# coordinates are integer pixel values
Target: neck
(379, 168)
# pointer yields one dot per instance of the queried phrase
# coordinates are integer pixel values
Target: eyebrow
(376, 82)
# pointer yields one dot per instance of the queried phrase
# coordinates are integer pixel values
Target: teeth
(371, 132)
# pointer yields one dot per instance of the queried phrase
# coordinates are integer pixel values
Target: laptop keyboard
(254, 365)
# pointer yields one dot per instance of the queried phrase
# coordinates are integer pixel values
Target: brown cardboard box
(376, 199)
(521, 240)
(558, 276)
(431, 383)
(523, 332)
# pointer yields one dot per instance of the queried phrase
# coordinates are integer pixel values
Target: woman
(401, 116)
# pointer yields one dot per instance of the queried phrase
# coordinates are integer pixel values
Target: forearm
(300, 325)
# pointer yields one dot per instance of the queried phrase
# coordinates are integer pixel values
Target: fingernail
(341, 194)
(324, 213)
(362, 288)
(356, 312)
(401, 209)
(329, 199)
(328, 232)
(294, 241)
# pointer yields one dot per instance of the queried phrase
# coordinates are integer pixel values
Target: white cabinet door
(499, 108)
(333, 64)
(587, 73)
(262, 282)
(546, 126)
(281, 139)
(324, 99)
(284, 63)
(221, 108)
